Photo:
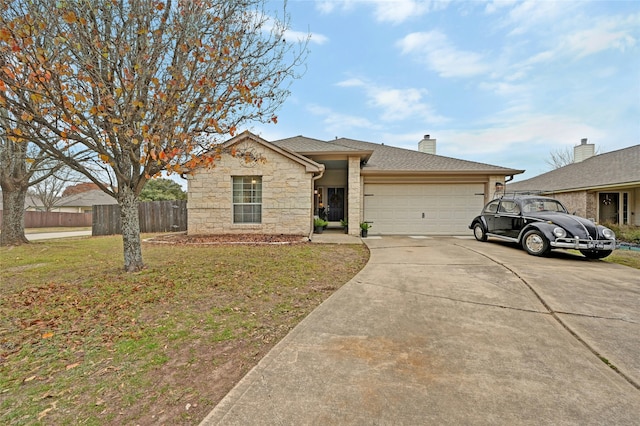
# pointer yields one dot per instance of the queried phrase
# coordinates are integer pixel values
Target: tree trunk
(128, 202)
(13, 218)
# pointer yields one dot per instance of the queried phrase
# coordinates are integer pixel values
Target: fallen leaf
(74, 365)
(44, 413)
(47, 335)
(28, 379)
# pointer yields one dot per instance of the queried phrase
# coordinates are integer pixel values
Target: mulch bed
(206, 239)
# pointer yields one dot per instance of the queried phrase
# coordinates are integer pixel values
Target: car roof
(522, 198)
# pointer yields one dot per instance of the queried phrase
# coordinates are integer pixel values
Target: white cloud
(300, 36)
(435, 49)
(609, 34)
(394, 11)
(402, 104)
(329, 6)
(534, 15)
(495, 5)
(399, 10)
(352, 82)
(339, 123)
(396, 105)
(502, 134)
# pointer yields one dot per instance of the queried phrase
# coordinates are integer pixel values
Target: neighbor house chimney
(427, 145)
(583, 151)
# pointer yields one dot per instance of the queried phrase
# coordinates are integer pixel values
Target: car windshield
(542, 205)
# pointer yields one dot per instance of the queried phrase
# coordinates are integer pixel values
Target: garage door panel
(445, 209)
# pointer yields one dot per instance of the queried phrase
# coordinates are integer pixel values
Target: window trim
(255, 200)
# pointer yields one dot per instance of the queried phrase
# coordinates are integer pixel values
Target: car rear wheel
(598, 254)
(535, 243)
(478, 232)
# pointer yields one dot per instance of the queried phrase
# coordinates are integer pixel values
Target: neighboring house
(399, 191)
(603, 187)
(82, 202)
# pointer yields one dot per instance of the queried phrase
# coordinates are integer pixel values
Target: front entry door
(609, 202)
(335, 196)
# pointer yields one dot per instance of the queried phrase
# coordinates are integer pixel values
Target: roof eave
(507, 172)
(595, 188)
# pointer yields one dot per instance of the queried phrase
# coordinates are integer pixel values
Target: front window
(543, 205)
(492, 207)
(247, 199)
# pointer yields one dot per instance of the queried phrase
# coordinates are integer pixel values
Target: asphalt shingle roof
(611, 168)
(304, 144)
(389, 158)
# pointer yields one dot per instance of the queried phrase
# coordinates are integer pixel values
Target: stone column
(354, 195)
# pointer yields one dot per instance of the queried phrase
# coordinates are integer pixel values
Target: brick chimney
(427, 145)
(583, 151)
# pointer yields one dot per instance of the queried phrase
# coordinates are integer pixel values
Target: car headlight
(608, 234)
(559, 232)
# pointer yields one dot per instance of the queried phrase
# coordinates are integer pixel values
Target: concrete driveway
(454, 331)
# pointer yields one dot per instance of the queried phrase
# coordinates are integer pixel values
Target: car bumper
(578, 244)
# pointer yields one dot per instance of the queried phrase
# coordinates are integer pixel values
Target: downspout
(313, 185)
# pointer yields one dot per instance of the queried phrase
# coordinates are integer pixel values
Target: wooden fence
(155, 216)
(55, 219)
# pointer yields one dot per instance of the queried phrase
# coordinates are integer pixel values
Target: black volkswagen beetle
(540, 224)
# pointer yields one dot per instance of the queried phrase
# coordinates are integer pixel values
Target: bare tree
(48, 192)
(560, 158)
(137, 87)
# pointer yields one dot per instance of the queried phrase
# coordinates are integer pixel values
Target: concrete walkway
(54, 235)
(454, 331)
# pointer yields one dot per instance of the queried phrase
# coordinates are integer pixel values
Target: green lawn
(82, 342)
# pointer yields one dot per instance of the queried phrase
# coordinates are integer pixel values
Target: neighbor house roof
(382, 158)
(93, 197)
(615, 168)
(83, 199)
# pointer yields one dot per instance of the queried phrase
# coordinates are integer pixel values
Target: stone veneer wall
(286, 196)
(577, 202)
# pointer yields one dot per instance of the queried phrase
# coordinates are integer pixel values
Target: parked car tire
(479, 233)
(535, 243)
(598, 254)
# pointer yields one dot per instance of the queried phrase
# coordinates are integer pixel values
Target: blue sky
(504, 82)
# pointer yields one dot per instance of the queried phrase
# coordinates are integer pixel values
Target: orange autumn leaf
(69, 17)
(47, 335)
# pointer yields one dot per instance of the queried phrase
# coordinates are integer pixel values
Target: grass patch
(626, 233)
(83, 342)
(624, 257)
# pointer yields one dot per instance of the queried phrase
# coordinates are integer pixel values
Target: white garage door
(419, 209)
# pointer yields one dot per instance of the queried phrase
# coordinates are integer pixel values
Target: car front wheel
(598, 254)
(478, 232)
(535, 243)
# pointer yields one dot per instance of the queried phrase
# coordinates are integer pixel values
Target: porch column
(354, 195)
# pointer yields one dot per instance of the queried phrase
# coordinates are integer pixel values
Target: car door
(489, 213)
(508, 220)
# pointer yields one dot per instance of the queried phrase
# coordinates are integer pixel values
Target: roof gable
(618, 167)
(310, 165)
